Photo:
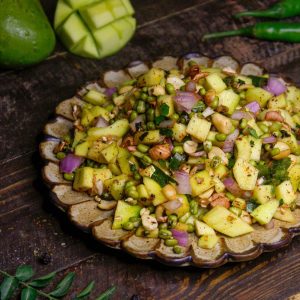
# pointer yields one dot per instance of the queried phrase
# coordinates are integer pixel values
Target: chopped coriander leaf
(251, 205)
(258, 81)
(231, 162)
(253, 132)
(176, 161)
(166, 132)
(199, 107)
(240, 81)
(229, 81)
(281, 202)
(164, 109)
(163, 163)
(158, 120)
(132, 167)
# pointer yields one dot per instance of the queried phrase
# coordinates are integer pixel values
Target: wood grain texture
(30, 225)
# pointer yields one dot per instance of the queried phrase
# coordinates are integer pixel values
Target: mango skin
(26, 37)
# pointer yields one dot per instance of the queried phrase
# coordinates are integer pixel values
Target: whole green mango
(26, 37)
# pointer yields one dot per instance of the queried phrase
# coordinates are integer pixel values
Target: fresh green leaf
(24, 272)
(161, 178)
(231, 162)
(166, 132)
(86, 291)
(258, 81)
(199, 107)
(176, 161)
(107, 294)
(7, 288)
(164, 109)
(63, 287)
(42, 281)
(28, 294)
(251, 205)
(253, 132)
(158, 120)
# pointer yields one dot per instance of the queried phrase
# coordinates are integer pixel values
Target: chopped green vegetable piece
(176, 161)
(164, 109)
(253, 132)
(166, 132)
(258, 81)
(199, 107)
(251, 205)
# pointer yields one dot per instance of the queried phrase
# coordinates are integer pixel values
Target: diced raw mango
(259, 95)
(208, 241)
(142, 191)
(128, 6)
(222, 220)
(222, 123)
(86, 47)
(179, 132)
(284, 214)
(97, 15)
(110, 152)
(215, 82)
(118, 129)
(229, 99)
(154, 190)
(243, 148)
(95, 97)
(79, 3)
(201, 182)
(79, 136)
(202, 228)
(63, 10)
(255, 146)
(117, 8)
(251, 123)
(285, 192)
(264, 213)
(72, 31)
(294, 174)
(293, 97)
(263, 193)
(245, 174)
(198, 128)
(291, 141)
(220, 171)
(148, 137)
(90, 113)
(277, 102)
(83, 179)
(152, 77)
(123, 213)
(94, 151)
(116, 186)
(102, 174)
(82, 149)
(219, 185)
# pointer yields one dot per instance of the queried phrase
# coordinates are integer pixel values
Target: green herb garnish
(176, 161)
(199, 107)
(31, 289)
(258, 81)
(166, 132)
(161, 178)
(164, 109)
(253, 132)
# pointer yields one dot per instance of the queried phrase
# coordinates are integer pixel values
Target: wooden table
(30, 225)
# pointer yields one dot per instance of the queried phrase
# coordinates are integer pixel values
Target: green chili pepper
(282, 9)
(273, 31)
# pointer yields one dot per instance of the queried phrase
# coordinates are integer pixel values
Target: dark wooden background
(30, 225)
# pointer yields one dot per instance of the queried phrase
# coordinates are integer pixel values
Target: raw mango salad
(202, 151)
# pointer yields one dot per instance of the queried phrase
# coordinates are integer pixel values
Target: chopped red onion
(167, 124)
(191, 86)
(70, 163)
(198, 154)
(181, 236)
(101, 123)
(207, 112)
(137, 120)
(275, 86)
(254, 107)
(232, 186)
(230, 140)
(169, 141)
(110, 91)
(185, 101)
(269, 140)
(172, 205)
(239, 115)
(183, 180)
